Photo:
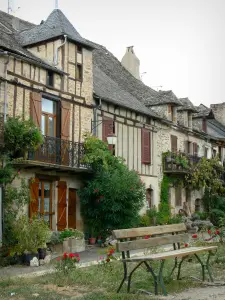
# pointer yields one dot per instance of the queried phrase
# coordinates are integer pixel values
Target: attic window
(50, 78)
(79, 49)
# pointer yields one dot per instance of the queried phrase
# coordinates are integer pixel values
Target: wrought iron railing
(179, 162)
(59, 152)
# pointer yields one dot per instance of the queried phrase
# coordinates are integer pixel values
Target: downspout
(55, 62)
(4, 162)
(95, 120)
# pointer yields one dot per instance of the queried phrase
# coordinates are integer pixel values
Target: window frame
(50, 74)
(80, 68)
(41, 211)
(48, 115)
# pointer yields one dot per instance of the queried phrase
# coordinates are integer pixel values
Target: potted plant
(73, 240)
(31, 235)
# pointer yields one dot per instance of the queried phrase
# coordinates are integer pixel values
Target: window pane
(48, 106)
(46, 218)
(46, 189)
(43, 129)
(46, 204)
(51, 126)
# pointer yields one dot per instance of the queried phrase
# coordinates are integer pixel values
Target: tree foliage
(114, 195)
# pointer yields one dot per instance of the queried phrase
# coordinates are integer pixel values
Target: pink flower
(147, 237)
(101, 257)
(58, 258)
(194, 236)
(76, 255)
(209, 231)
(185, 245)
(217, 232)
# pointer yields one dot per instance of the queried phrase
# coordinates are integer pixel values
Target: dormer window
(50, 78)
(190, 120)
(172, 113)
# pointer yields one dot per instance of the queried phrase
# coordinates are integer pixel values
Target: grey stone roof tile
(186, 105)
(56, 25)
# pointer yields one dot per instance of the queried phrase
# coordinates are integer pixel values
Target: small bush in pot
(67, 233)
(31, 235)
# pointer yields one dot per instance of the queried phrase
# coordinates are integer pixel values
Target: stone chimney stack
(219, 112)
(131, 62)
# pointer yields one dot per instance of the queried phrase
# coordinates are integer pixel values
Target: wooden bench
(135, 238)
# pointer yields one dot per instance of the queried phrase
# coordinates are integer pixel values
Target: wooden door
(61, 221)
(72, 209)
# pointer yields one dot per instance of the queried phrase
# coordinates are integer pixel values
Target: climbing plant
(113, 195)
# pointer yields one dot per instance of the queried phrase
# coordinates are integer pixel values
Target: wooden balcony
(56, 153)
(178, 163)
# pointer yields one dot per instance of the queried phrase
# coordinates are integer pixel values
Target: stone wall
(219, 112)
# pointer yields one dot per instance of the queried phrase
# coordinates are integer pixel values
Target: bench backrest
(137, 238)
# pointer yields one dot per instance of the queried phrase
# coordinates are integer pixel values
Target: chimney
(16, 24)
(131, 62)
(219, 112)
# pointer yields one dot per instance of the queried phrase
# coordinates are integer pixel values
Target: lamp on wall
(112, 139)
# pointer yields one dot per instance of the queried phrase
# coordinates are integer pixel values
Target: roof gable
(56, 25)
(186, 105)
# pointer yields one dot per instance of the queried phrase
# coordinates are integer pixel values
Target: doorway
(72, 209)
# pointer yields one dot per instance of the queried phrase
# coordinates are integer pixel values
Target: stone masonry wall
(219, 112)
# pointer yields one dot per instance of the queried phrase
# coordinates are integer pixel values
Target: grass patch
(101, 282)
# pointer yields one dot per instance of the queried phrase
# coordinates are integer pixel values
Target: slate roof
(186, 105)
(216, 129)
(56, 25)
(202, 111)
(112, 67)
(109, 90)
(9, 42)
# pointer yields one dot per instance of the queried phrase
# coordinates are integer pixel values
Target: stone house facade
(46, 75)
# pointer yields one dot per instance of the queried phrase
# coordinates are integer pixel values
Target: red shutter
(204, 125)
(107, 128)
(173, 143)
(195, 148)
(61, 222)
(34, 194)
(65, 120)
(35, 108)
(145, 146)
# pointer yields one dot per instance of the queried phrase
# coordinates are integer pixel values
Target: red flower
(96, 190)
(185, 245)
(147, 237)
(209, 231)
(194, 236)
(111, 251)
(109, 254)
(76, 255)
(78, 258)
(58, 258)
(108, 259)
(71, 255)
(64, 255)
(217, 232)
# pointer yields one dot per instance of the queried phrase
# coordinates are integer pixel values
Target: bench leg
(160, 277)
(179, 267)
(174, 267)
(131, 273)
(124, 277)
(205, 267)
(154, 277)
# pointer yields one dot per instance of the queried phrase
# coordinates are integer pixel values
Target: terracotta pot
(92, 241)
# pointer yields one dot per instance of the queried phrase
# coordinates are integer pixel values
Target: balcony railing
(179, 162)
(59, 152)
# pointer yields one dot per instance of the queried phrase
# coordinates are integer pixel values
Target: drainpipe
(55, 62)
(3, 163)
(94, 124)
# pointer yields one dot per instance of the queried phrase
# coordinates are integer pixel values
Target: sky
(180, 43)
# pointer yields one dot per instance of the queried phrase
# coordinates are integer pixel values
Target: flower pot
(66, 247)
(41, 253)
(76, 245)
(28, 257)
(92, 241)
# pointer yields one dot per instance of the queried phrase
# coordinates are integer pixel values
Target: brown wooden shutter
(65, 120)
(169, 108)
(107, 128)
(204, 125)
(34, 194)
(61, 221)
(195, 148)
(35, 108)
(173, 143)
(145, 146)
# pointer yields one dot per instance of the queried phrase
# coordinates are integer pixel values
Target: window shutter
(173, 143)
(178, 196)
(169, 108)
(195, 148)
(61, 222)
(145, 146)
(107, 128)
(34, 195)
(204, 125)
(186, 147)
(65, 120)
(35, 108)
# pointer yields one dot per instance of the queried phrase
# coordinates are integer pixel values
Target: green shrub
(20, 136)
(216, 215)
(145, 221)
(176, 219)
(70, 233)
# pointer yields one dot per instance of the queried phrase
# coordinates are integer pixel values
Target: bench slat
(153, 230)
(151, 242)
(171, 254)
